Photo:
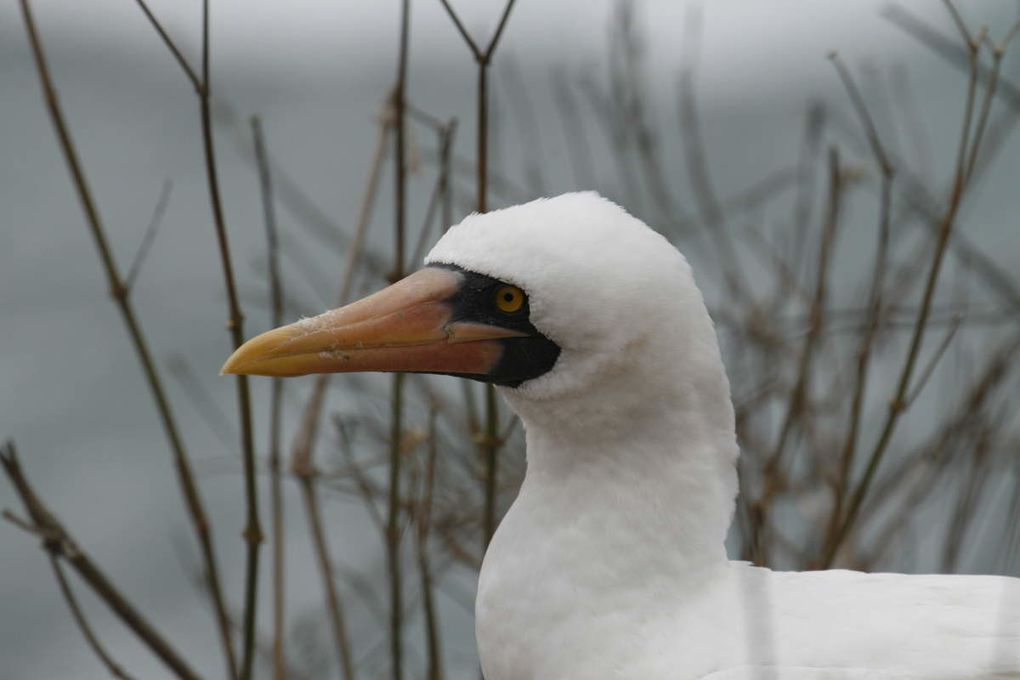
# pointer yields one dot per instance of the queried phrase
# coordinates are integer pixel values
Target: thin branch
(83, 624)
(928, 370)
(22, 524)
(440, 191)
(898, 403)
(235, 322)
(946, 48)
(60, 545)
(963, 513)
(942, 444)
(189, 72)
(875, 307)
(393, 515)
(150, 234)
(355, 471)
(424, 520)
(304, 442)
(489, 444)
(499, 29)
(201, 400)
(798, 401)
(279, 656)
(870, 131)
(333, 606)
(119, 293)
(991, 87)
(478, 54)
(301, 456)
(968, 40)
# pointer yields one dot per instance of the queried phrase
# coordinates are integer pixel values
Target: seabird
(610, 563)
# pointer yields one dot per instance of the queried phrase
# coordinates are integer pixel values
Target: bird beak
(405, 327)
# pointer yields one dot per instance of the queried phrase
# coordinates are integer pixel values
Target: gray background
(72, 394)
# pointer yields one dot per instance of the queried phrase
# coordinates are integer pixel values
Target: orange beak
(405, 327)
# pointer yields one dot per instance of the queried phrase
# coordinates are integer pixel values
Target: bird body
(611, 561)
(737, 621)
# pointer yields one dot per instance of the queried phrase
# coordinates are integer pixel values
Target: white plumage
(610, 563)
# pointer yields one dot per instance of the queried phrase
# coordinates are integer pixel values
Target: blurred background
(725, 124)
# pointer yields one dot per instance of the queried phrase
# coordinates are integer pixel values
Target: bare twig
(966, 504)
(440, 194)
(119, 293)
(797, 406)
(898, 404)
(871, 132)
(333, 604)
(86, 630)
(201, 400)
(946, 48)
(424, 520)
(940, 445)
(189, 72)
(393, 515)
(864, 351)
(304, 443)
(928, 370)
(489, 444)
(275, 403)
(60, 545)
(150, 234)
(235, 322)
(356, 471)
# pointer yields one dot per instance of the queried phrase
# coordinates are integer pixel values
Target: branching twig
(797, 406)
(86, 630)
(189, 72)
(150, 234)
(119, 293)
(867, 343)
(235, 322)
(61, 546)
(897, 404)
(489, 443)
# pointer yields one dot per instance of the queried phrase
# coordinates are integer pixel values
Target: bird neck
(639, 475)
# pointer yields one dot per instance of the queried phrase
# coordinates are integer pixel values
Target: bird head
(546, 299)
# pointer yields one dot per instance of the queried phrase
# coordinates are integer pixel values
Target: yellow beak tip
(232, 366)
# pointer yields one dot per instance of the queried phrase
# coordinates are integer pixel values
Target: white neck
(633, 480)
(625, 506)
(652, 467)
(652, 451)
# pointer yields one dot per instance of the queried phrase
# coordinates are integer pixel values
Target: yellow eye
(509, 299)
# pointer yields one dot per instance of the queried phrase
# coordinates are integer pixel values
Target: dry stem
(489, 443)
(275, 403)
(393, 515)
(121, 297)
(60, 545)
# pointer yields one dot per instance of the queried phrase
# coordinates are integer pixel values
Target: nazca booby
(610, 563)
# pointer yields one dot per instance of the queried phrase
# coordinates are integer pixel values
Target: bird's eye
(509, 299)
